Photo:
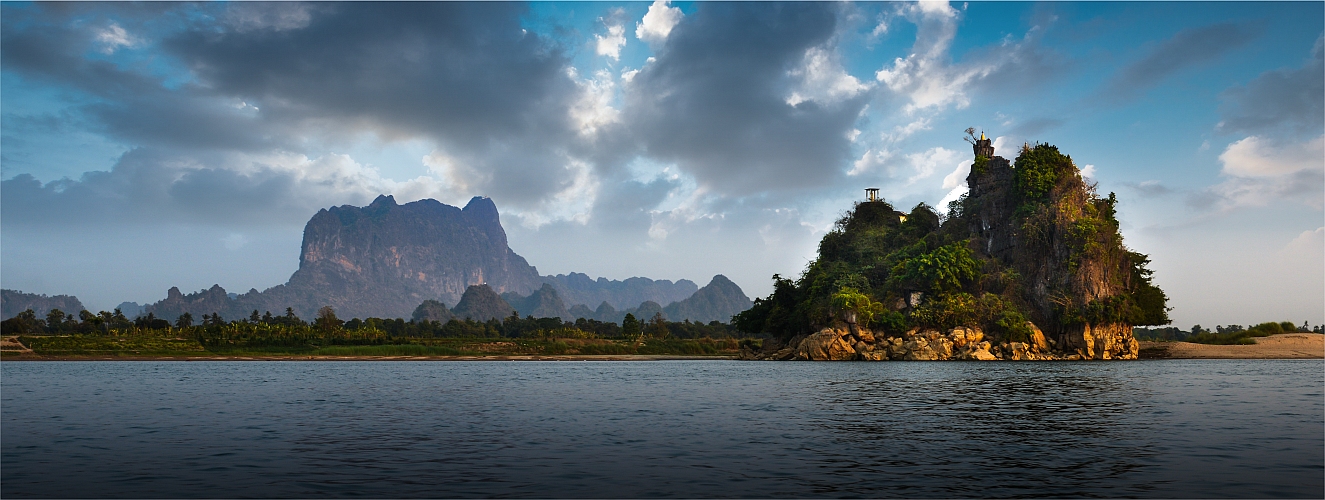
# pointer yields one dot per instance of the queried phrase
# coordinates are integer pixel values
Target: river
(1163, 428)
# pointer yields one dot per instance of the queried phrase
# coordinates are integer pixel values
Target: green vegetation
(1235, 334)
(898, 270)
(329, 336)
(1224, 335)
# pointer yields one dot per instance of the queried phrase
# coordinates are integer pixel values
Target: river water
(1163, 428)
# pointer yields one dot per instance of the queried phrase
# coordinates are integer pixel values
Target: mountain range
(390, 260)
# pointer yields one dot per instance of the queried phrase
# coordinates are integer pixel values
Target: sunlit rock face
(385, 259)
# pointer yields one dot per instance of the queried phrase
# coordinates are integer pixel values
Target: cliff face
(1031, 255)
(13, 302)
(384, 259)
(1045, 224)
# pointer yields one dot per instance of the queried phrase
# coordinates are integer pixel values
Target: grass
(387, 350)
(96, 345)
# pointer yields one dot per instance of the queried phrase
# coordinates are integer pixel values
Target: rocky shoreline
(850, 343)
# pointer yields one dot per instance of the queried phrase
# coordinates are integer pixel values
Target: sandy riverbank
(1282, 346)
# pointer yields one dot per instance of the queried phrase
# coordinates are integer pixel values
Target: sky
(150, 145)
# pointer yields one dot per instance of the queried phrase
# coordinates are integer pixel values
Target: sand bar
(1281, 346)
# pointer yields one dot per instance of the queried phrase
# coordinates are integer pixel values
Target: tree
(630, 326)
(266, 317)
(855, 307)
(327, 320)
(658, 327)
(1196, 329)
(253, 318)
(54, 320)
(186, 320)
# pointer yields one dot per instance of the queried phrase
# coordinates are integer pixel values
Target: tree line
(289, 327)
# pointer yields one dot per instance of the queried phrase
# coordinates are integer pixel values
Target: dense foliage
(900, 270)
(327, 330)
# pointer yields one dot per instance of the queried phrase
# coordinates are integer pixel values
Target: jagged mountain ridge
(13, 302)
(718, 301)
(578, 288)
(381, 260)
(384, 260)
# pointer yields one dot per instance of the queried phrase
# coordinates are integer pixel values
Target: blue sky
(152, 145)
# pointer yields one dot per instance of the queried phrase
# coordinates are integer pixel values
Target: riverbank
(606, 357)
(1281, 346)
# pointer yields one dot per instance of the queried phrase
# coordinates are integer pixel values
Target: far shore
(1281, 346)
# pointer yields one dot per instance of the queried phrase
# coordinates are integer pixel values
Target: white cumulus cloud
(1260, 171)
(658, 22)
(611, 44)
(822, 79)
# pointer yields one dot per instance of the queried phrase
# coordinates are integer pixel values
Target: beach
(1281, 346)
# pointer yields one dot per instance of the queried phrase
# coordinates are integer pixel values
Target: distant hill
(543, 303)
(578, 288)
(717, 301)
(13, 302)
(481, 303)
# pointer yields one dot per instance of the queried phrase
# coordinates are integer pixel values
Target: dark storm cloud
(714, 101)
(1187, 48)
(464, 75)
(463, 71)
(1287, 98)
(263, 77)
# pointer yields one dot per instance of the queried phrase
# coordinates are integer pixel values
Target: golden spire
(982, 135)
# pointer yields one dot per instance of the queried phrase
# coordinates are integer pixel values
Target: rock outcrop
(1031, 257)
(381, 260)
(13, 302)
(847, 343)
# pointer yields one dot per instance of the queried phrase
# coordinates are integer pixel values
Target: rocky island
(1028, 265)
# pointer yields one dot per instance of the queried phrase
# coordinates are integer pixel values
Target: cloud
(296, 77)
(1148, 189)
(926, 163)
(1283, 98)
(115, 37)
(1260, 172)
(1088, 171)
(958, 176)
(1187, 48)
(1309, 244)
(658, 22)
(270, 16)
(714, 102)
(1257, 157)
(822, 79)
(152, 187)
(611, 44)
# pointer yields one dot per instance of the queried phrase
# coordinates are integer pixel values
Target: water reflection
(674, 429)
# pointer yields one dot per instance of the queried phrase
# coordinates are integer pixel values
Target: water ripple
(1176, 428)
